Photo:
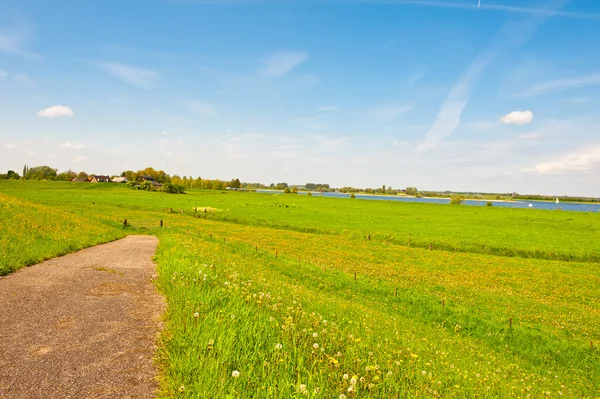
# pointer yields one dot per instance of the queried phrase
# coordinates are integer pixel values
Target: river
(545, 205)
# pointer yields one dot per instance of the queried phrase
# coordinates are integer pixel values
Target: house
(79, 179)
(119, 179)
(99, 179)
(151, 180)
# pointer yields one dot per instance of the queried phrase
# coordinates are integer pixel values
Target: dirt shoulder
(83, 325)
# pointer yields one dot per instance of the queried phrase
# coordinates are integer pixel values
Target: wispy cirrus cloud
(201, 108)
(16, 38)
(583, 160)
(329, 108)
(139, 77)
(24, 79)
(67, 145)
(388, 113)
(283, 62)
(510, 35)
(564, 84)
(473, 6)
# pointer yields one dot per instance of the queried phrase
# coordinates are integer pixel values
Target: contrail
(479, 4)
(512, 34)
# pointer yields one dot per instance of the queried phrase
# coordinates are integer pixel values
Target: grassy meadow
(279, 296)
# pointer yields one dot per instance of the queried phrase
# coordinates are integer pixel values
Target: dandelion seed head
(235, 374)
(316, 346)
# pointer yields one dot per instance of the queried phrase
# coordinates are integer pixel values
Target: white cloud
(72, 146)
(9, 146)
(561, 85)
(283, 62)
(517, 118)
(201, 108)
(389, 112)
(80, 158)
(23, 78)
(55, 111)
(401, 143)
(167, 133)
(584, 160)
(143, 78)
(510, 35)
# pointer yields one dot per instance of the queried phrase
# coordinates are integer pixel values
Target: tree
(41, 173)
(235, 183)
(411, 191)
(69, 175)
(287, 190)
(352, 195)
(12, 175)
(294, 190)
(82, 175)
(281, 186)
(457, 200)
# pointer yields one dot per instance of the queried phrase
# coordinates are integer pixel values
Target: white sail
(557, 201)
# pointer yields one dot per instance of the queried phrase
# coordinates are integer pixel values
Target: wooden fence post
(161, 223)
(125, 223)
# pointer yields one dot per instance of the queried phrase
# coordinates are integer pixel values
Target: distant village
(115, 179)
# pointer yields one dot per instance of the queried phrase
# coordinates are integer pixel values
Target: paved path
(83, 325)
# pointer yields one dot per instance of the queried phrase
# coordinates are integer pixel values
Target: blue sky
(439, 95)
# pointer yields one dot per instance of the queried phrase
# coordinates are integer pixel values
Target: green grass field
(278, 296)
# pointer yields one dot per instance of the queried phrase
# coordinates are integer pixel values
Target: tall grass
(31, 233)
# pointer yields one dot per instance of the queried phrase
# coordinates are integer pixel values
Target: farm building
(119, 179)
(99, 179)
(80, 179)
(151, 180)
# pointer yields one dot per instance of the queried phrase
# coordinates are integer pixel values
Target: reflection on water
(565, 206)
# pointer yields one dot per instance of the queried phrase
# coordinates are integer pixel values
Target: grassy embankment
(249, 296)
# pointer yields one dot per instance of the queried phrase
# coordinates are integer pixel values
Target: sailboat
(557, 201)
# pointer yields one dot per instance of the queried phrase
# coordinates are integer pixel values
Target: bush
(287, 190)
(309, 194)
(489, 203)
(352, 195)
(457, 200)
(173, 189)
(146, 185)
